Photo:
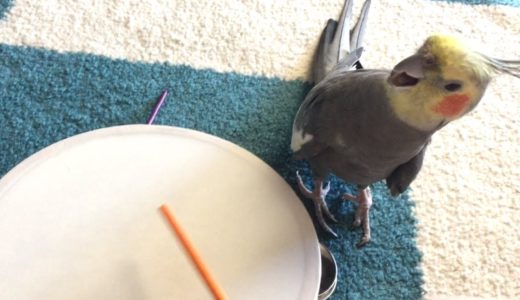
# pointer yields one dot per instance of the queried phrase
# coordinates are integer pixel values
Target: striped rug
(238, 69)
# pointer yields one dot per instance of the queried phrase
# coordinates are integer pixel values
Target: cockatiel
(370, 125)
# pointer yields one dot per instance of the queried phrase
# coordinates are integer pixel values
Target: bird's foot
(318, 197)
(364, 200)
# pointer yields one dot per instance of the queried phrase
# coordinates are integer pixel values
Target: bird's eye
(452, 87)
(429, 60)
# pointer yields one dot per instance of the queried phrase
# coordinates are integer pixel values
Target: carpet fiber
(237, 69)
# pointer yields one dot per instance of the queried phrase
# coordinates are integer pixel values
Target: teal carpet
(47, 96)
(4, 6)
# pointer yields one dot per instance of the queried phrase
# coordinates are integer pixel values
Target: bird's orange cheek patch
(452, 105)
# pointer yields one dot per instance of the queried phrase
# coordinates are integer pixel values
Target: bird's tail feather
(338, 41)
(323, 60)
(358, 31)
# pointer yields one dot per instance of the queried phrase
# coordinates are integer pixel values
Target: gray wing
(341, 95)
(403, 175)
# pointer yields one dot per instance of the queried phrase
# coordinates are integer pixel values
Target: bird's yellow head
(442, 81)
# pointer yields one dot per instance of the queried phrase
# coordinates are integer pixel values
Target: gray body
(355, 133)
(347, 126)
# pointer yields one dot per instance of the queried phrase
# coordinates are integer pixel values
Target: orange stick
(212, 285)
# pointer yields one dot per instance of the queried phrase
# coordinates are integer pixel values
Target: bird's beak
(408, 72)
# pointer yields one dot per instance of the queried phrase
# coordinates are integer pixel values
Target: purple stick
(156, 108)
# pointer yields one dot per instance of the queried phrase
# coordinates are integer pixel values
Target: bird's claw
(361, 218)
(329, 214)
(318, 198)
(326, 226)
(303, 189)
(363, 242)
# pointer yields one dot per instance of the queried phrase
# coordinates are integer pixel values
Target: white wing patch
(299, 138)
